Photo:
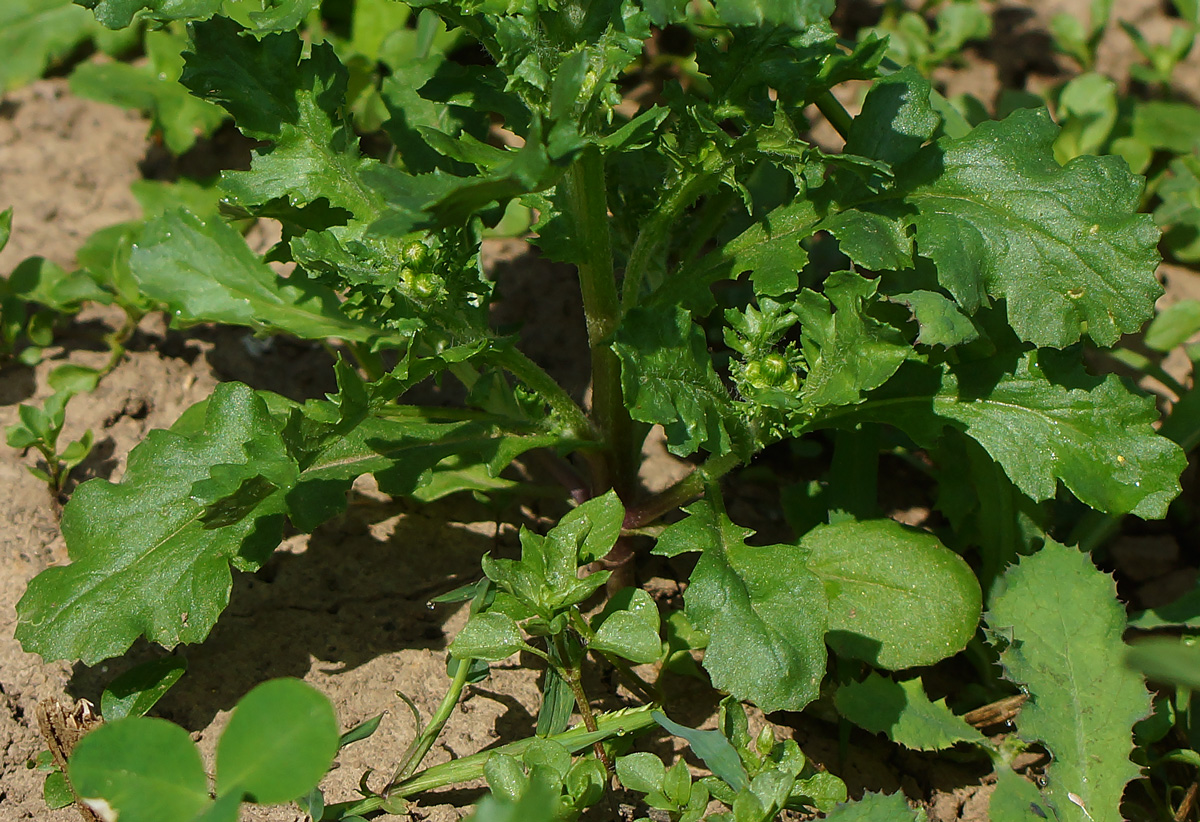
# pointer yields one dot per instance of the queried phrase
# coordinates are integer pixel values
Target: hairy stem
(585, 189)
(656, 229)
(545, 386)
(684, 491)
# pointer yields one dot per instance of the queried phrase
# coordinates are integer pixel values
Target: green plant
(929, 286)
(40, 427)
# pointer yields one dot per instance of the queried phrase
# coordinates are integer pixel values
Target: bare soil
(347, 607)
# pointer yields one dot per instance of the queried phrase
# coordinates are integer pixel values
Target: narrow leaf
(137, 690)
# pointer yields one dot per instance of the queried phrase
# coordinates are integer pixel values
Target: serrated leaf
(1044, 420)
(296, 103)
(668, 378)
(1063, 245)
(280, 741)
(877, 807)
(769, 249)
(763, 610)
(400, 452)
(896, 118)
(903, 712)
(205, 272)
(846, 352)
(897, 597)
(1060, 625)
(143, 562)
(874, 241)
(35, 33)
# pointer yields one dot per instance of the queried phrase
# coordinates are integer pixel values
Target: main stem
(586, 200)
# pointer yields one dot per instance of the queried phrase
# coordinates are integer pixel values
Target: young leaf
(763, 609)
(145, 770)
(280, 741)
(154, 88)
(903, 712)
(846, 352)
(1060, 625)
(897, 597)
(1016, 799)
(490, 635)
(628, 627)
(546, 577)
(1064, 246)
(143, 561)
(205, 272)
(56, 792)
(668, 378)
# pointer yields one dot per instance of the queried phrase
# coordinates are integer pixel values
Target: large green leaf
(34, 33)
(903, 712)
(205, 272)
(144, 562)
(1059, 624)
(763, 609)
(1063, 245)
(897, 597)
(1045, 420)
(212, 491)
(294, 102)
(668, 378)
